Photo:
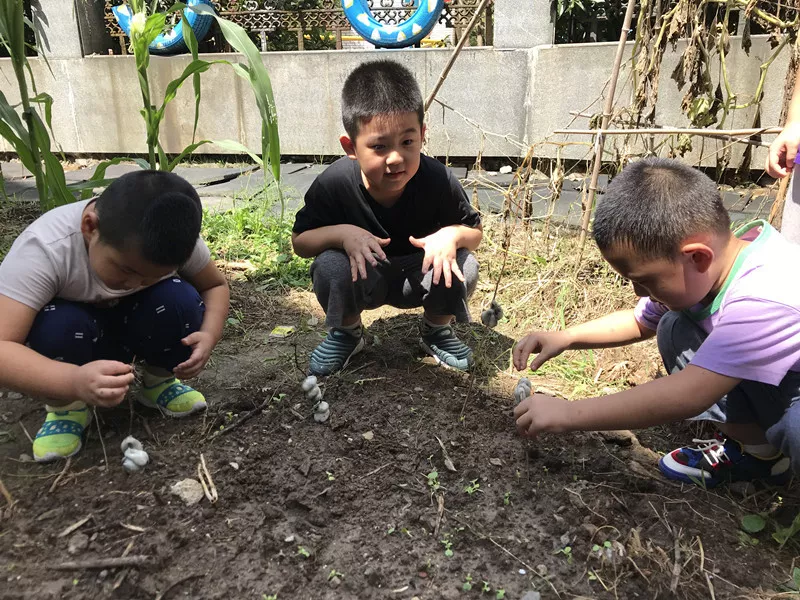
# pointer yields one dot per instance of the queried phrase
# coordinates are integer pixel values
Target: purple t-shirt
(753, 323)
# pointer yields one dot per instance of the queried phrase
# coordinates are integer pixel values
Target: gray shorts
(399, 282)
(773, 408)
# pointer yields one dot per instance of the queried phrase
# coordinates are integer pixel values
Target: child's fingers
(368, 255)
(791, 153)
(375, 246)
(456, 271)
(114, 382)
(110, 397)
(113, 367)
(448, 276)
(774, 167)
(353, 269)
(415, 242)
(437, 269)
(427, 261)
(362, 267)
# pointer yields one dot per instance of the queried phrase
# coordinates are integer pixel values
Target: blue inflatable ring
(172, 41)
(407, 33)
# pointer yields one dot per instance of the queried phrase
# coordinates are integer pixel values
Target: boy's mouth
(396, 175)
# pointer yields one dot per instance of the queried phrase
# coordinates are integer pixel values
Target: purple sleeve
(754, 340)
(649, 313)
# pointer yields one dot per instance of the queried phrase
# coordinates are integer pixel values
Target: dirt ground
(365, 505)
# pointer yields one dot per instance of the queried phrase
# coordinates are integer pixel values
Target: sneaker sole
(669, 468)
(52, 456)
(430, 352)
(359, 347)
(199, 406)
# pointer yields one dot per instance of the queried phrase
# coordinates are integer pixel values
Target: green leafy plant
(335, 573)
(507, 498)
(467, 585)
(303, 552)
(753, 523)
(433, 481)
(567, 552)
(448, 546)
(500, 595)
(472, 487)
(27, 133)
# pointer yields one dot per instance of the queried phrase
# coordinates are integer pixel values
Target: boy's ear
(423, 131)
(348, 146)
(89, 223)
(700, 255)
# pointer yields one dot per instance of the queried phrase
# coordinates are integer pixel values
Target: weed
(269, 597)
(467, 586)
(500, 595)
(330, 476)
(390, 530)
(303, 552)
(566, 551)
(472, 487)
(448, 546)
(433, 481)
(335, 573)
(506, 498)
(486, 587)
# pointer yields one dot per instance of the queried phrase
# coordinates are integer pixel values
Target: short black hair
(654, 204)
(381, 87)
(154, 212)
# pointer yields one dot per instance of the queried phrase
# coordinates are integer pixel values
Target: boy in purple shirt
(725, 307)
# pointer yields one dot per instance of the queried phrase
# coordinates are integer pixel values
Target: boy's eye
(378, 147)
(408, 142)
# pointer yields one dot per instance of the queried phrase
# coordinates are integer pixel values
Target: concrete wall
(516, 96)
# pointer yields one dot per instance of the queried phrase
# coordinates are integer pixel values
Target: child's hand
(541, 414)
(202, 343)
(440, 253)
(362, 247)
(102, 382)
(783, 150)
(546, 345)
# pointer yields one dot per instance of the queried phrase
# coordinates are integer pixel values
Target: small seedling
(500, 595)
(448, 547)
(598, 548)
(391, 530)
(567, 551)
(507, 498)
(472, 487)
(467, 583)
(486, 587)
(406, 531)
(303, 552)
(433, 481)
(330, 476)
(335, 573)
(269, 597)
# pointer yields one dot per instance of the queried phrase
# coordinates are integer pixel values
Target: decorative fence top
(260, 17)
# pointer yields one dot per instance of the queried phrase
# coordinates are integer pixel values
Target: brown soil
(349, 509)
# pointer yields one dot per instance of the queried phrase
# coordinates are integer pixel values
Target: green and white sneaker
(335, 352)
(61, 434)
(446, 349)
(172, 398)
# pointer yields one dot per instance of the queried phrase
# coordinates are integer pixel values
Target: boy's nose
(394, 158)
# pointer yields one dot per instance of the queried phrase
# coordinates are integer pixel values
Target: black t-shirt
(432, 199)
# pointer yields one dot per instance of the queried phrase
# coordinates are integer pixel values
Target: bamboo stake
(456, 52)
(671, 131)
(607, 113)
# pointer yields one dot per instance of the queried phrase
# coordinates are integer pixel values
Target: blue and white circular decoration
(407, 33)
(170, 42)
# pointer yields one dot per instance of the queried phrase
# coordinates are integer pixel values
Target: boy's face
(387, 149)
(118, 269)
(679, 284)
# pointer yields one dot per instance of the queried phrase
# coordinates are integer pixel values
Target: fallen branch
(60, 475)
(209, 489)
(242, 419)
(107, 563)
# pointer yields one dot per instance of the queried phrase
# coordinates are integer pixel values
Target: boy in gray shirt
(90, 286)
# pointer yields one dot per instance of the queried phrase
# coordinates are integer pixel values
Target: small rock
(541, 570)
(334, 582)
(532, 596)
(235, 466)
(78, 543)
(309, 383)
(188, 490)
(305, 467)
(565, 539)
(496, 462)
(15, 396)
(368, 435)
(289, 539)
(25, 458)
(505, 171)
(418, 389)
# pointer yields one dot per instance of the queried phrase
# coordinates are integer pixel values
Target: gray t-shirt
(49, 260)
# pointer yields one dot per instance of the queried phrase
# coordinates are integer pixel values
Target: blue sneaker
(446, 349)
(335, 352)
(717, 461)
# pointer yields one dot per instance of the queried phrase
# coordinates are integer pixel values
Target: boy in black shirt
(388, 225)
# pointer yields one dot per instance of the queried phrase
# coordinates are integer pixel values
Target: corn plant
(26, 132)
(146, 25)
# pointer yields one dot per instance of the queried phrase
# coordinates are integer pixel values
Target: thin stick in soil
(60, 475)
(7, 495)
(106, 563)
(209, 489)
(25, 431)
(100, 435)
(241, 420)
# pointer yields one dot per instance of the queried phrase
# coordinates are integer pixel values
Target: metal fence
(327, 21)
